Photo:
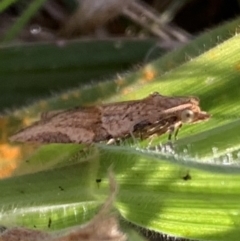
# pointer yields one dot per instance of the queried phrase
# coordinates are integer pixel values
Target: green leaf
(32, 71)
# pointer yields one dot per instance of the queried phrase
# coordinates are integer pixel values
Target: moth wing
(72, 126)
(77, 117)
(47, 134)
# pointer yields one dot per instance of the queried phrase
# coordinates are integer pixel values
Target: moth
(153, 115)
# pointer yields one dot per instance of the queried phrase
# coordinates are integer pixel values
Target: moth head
(193, 115)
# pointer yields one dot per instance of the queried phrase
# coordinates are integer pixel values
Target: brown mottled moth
(153, 115)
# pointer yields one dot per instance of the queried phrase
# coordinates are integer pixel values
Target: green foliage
(30, 72)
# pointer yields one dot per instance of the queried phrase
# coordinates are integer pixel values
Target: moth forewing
(155, 114)
(78, 125)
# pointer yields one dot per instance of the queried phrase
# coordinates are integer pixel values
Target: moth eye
(187, 116)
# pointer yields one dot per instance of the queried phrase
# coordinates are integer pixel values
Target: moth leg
(133, 137)
(177, 131)
(174, 129)
(170, 135)
(153, 131)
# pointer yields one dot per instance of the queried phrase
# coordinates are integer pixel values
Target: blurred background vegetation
(48, 46)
